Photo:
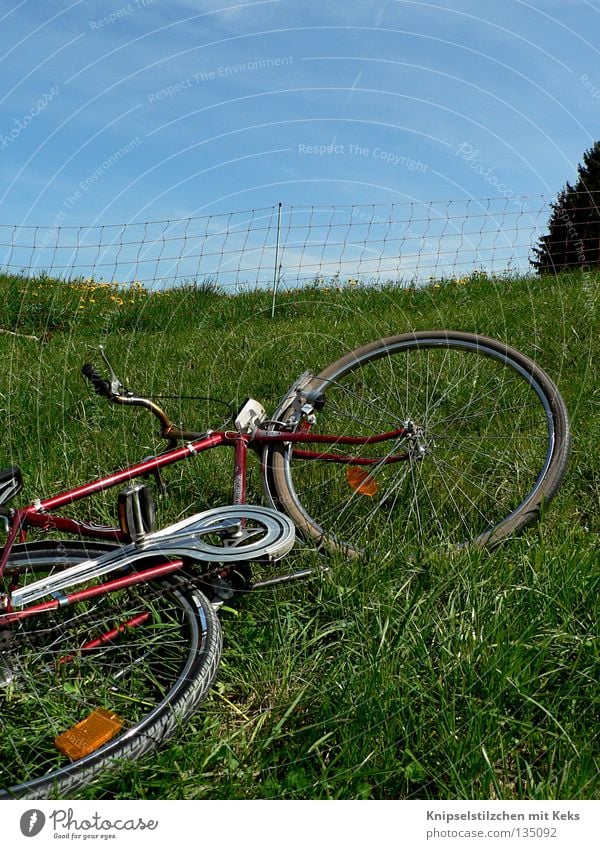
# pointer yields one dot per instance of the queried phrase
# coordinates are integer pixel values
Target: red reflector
(362, 482)
(89, 734)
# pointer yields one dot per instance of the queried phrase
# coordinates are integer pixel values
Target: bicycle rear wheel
(133, 664)
(488, 442)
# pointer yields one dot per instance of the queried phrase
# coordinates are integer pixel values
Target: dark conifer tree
(573, 238)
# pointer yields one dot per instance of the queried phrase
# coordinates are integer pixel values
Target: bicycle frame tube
(40, 513)
(326, 439)
(145, 575)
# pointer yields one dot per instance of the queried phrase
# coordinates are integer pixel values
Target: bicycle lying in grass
(109, 640)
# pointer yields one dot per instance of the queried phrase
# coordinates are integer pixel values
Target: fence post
(277, 268)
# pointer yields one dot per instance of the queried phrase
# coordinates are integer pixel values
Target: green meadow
(421, 677)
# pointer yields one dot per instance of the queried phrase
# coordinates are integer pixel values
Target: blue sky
(114, 112)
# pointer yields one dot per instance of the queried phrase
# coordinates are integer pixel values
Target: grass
(422, 677)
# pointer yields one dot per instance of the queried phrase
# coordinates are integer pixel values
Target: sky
(116, 113)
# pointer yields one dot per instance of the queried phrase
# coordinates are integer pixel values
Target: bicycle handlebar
(169, 431)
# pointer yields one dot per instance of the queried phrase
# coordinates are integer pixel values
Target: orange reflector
(89, 734)
(361, 481)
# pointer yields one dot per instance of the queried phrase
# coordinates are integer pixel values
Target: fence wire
(289, 246)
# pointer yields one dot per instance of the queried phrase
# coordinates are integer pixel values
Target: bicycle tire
(151, 675)
(494, 446)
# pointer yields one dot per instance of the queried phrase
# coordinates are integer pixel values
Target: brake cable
(228, 404)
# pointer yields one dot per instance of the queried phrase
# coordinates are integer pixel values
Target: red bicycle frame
(41, 514)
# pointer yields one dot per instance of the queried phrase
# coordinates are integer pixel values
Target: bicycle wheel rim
(147, 676)
(428, 379)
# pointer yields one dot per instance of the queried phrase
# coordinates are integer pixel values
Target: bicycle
(111, 639)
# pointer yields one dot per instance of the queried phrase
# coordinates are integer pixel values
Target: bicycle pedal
(136, 511)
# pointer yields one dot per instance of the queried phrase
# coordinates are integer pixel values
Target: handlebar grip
(101, 386)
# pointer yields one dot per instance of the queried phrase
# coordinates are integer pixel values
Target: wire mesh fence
(284, 246)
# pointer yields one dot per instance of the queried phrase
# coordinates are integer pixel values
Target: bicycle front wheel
(97, 682)
(477, 438)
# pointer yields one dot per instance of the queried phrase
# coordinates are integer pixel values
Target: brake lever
(116, 387)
